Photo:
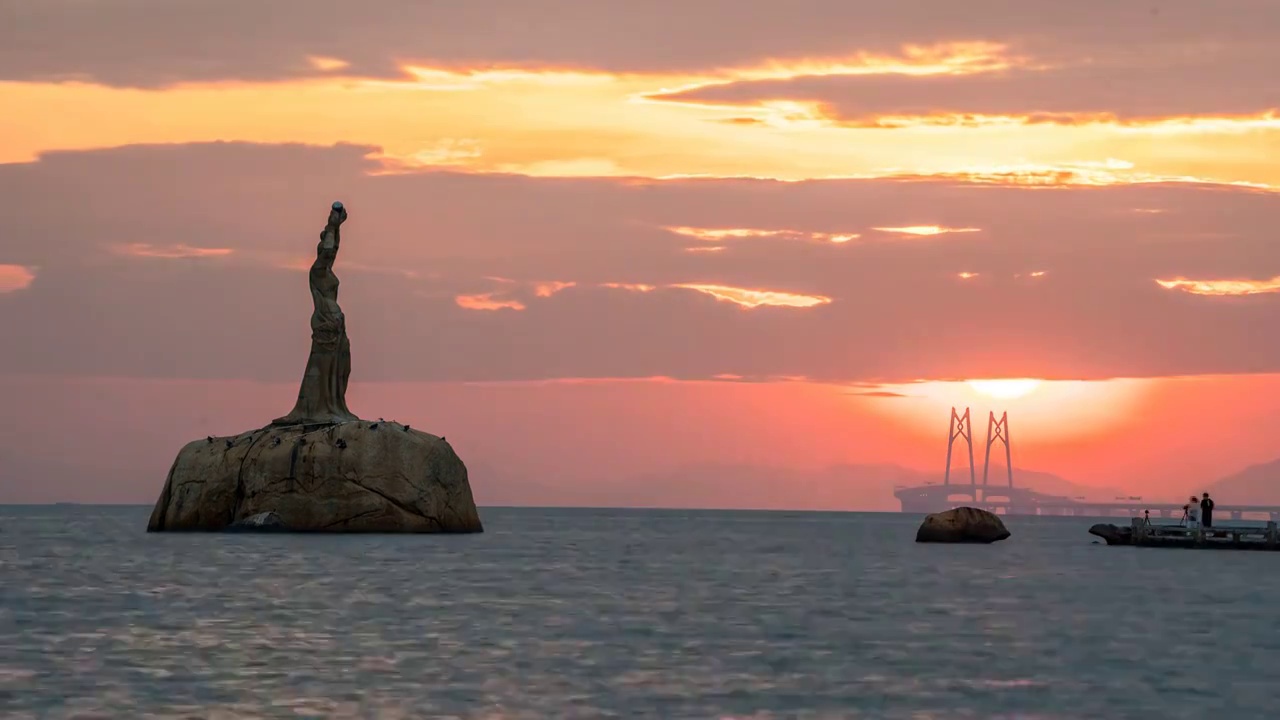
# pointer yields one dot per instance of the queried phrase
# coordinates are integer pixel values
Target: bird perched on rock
(230, 443)
(209, 438)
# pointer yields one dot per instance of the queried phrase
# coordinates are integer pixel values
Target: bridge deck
(1019, 501)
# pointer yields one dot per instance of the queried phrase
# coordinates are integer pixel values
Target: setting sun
(1039, 410)
(1006, 389)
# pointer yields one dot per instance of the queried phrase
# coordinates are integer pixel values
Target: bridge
(1005, 498)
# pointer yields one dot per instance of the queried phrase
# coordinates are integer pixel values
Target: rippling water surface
(626, 613)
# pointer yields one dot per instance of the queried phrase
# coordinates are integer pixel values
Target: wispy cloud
(722, 234)
(171, 252)
(633, 287)
(551, 287)
(914, 60)
(1222, 287)
(551, 233)
(926, 230)
(16, 277)
(749, 299)
(1064, 174)
(327, 64)
(487, 301)
(646, 121)
(449, 152)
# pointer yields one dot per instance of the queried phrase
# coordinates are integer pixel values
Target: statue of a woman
(322, 397)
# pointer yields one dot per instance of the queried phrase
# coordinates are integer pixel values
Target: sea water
(626, 613)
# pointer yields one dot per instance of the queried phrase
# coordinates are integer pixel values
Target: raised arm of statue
(330, 237)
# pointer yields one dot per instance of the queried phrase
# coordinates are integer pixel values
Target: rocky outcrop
(359, 476)
(962, 525)
(320, 468)
(1113, 534)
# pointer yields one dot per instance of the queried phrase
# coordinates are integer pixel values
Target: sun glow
(1008, 389)
(1039, 410)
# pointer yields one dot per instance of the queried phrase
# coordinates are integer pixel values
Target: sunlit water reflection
(592, 613)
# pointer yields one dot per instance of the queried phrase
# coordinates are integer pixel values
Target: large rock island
(320, 468)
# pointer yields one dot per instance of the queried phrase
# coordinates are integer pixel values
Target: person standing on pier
(1206, 510)
(1191, 512)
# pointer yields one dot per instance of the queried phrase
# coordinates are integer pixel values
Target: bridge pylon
(998, 430)
(961, 427)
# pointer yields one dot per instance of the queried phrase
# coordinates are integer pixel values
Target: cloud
(169, 43)
(580, 123)
(924, 230)
(750, 299)
(487, 301)
(549, 288)
(15, 277)
(797, 92)
(1222, 287)
(1216, 83)
(512, 294)
(721, 234)
(633, 287)
(1096, 312)
(448, 152)
(172, 252)
(327, 64)
(877, 393)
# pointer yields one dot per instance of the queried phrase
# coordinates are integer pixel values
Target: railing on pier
(1258, 537)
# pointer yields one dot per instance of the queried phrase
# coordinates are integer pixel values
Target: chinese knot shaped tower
(320, 468)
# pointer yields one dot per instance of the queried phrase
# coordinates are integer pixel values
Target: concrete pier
(1144, 533)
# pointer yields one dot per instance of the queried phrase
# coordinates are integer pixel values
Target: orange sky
(1008, 192)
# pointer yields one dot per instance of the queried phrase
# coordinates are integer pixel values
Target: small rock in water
(1112, 534)
(262, 522)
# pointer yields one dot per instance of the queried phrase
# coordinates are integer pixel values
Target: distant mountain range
(1254, 485)
(837, 487)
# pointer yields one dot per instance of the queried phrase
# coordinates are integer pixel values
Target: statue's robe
(322, 397)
